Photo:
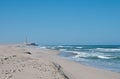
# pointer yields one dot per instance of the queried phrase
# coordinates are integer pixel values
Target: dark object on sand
(28, 53)
(5, 58)
(32, 44)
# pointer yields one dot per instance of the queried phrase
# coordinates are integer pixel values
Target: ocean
(100, 56)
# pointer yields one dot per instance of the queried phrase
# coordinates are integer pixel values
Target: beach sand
(28, 62)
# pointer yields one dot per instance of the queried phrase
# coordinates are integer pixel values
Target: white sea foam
(79, 47)
(64, 50)
(91, 55)
(60, 46)
(43, 47)
(81, 54)
(75, 52)
(104, 57)
(72, 51)
(108, 49)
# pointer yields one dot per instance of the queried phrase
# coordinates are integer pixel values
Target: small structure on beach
(29, 44)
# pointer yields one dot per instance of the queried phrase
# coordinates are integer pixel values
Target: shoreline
(95, 56)
(49, 64)
(85, 64)
(97, 67)
(62, 61)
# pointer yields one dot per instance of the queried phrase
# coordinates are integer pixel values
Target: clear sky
(60, 21)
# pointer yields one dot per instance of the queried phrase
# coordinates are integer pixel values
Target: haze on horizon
(60, 21)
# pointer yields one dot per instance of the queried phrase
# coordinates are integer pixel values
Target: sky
(53, 22)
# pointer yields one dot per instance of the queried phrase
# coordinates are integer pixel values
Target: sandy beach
(28, 62)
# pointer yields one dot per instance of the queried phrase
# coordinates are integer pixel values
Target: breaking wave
(103, 56)
(108, 49)
(92, 55)
(79, 47)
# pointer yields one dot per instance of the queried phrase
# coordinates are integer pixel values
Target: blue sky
(60, 21)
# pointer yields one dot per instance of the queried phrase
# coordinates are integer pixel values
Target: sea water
(101, 56)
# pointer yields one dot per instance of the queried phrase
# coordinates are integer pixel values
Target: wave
(95, 57)
(91, 55)
(83, 54)
(105, 57)
(108, 49)
(63, 46)
(43, 47)
(60, 46)
(64, 50)
(79, 47)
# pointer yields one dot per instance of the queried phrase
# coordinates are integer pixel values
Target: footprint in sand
(9, 76)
